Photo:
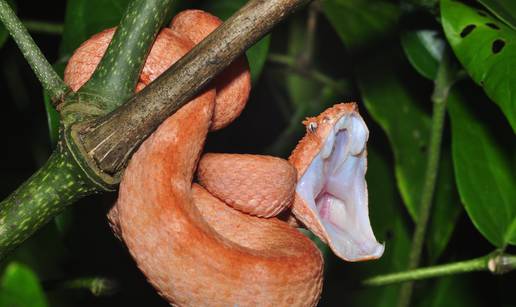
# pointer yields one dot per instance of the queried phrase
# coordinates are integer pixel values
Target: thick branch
(37, 61)
(111, 140)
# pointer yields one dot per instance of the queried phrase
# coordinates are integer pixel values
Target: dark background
(88, 247)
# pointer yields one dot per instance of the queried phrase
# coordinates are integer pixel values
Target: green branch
(65, 177)
(44, 27)
(117, 74)
(495, 263)
(49, 191)
(446, 76)
(46, 75)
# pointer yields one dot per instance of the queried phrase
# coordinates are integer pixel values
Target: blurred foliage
(20, 287)
(362, 23)
(391, 99)
(424, 49)
(383, 54)
(80, 24)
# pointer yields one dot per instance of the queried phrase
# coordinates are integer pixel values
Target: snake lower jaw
(333, 191)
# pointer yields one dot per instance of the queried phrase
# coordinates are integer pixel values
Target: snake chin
(334, 188)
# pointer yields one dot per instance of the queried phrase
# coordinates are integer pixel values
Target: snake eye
(311, 127)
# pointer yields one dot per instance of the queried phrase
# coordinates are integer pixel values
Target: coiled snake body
(193, 247)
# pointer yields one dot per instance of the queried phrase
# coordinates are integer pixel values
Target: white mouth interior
(335, 189)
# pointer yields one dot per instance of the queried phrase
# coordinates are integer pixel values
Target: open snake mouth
(334, 188)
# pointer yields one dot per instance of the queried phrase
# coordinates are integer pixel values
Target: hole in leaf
(497, 46)
(492, 26)
(467, 29)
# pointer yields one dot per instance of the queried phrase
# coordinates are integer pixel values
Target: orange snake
(194, 248)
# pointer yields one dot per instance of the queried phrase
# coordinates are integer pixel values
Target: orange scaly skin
(257, 185)
(193, 248)
(196, 250)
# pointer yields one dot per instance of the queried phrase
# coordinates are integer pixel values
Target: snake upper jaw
(331, 194)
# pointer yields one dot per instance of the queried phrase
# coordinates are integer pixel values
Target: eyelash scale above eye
(311, 127)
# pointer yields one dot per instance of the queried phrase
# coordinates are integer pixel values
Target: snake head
(331, 192)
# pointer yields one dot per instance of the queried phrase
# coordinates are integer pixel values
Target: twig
(309, 73)
(495, 263)
(39, 64)
(305, 57)
(44, 27)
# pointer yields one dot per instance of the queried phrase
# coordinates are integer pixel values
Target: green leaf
(257, 54)
(503, 9)
(485, 170)
(84, 18)
(397, 106)
(487, 50)
(3, 31)
(361, 22)
(424, 50)
(21, 288)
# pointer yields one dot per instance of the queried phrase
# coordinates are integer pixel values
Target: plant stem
(495, 263)
(44, 27)
(46, 75)
(310, 73)
(444, 81)
(117, 74)
(49, 191)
